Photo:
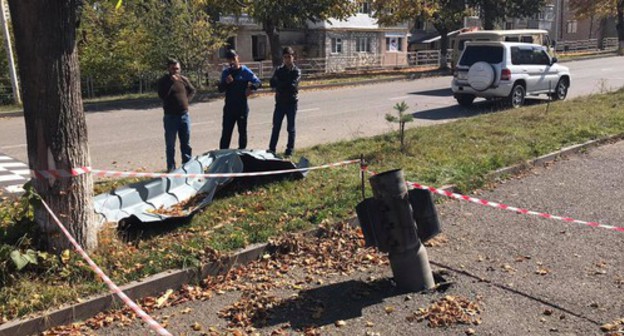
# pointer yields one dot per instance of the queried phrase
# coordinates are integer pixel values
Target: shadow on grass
(340, 301)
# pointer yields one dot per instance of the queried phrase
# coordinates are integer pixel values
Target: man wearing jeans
(285, 81)
(176, 91)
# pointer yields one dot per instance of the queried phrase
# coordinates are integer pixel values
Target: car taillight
(505, 74)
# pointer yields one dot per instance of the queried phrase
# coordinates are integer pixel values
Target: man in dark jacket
(176, 91)
(285, 81)
(237, 82)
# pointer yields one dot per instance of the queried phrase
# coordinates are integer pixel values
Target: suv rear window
(474, 54)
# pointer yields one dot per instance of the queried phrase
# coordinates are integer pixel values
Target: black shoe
(288, 153)
(272, 151)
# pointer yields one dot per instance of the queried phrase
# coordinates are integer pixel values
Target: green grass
(461, 153)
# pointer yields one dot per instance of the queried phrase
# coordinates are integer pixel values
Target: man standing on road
(237, 82)
(285, 81)
(176, 91)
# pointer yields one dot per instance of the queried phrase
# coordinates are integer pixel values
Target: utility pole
(17, 99)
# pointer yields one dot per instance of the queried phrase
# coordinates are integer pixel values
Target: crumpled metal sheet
(149, 201)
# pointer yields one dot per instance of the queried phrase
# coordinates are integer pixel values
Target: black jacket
(286, 84)
(235, 92)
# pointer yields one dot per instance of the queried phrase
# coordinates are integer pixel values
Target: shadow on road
(458, 111)
(446, 92)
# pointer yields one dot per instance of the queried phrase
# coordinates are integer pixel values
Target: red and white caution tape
(45, 174)
(102, 173)
(114, 289)
(58, 173)
(511, 208)
(505, 206)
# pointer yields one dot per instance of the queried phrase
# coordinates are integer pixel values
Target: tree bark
(270, 28)
(444, 42)
(56, 130)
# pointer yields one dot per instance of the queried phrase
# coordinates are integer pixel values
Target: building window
(394, 43)
(364, 7)
(336, 45)
(571, 27)
(509, 25)
(229, 45)
(363, 44)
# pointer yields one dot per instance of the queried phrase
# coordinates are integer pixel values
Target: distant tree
(274, 16)
(445, 15)
(183, 29)
(493, 11)
(602, 8)
(113, 44)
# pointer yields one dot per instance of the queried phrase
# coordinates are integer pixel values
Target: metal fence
(610, 43)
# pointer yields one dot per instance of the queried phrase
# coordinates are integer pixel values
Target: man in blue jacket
(237, 82)
(285, 81)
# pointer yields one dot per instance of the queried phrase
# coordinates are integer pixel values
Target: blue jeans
(179, 125)
(281, 110)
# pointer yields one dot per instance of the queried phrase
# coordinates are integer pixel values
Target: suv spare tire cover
(481, 76)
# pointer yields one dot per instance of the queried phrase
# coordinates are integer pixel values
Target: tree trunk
(56, 130)
(620, 26)
(489, 17)
(444, 43)
(270, 28)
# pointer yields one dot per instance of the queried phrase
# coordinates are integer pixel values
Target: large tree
(495, 11)
(184, 29)
(274, 16)
(602, 8)
(445, 15)
(56, 130)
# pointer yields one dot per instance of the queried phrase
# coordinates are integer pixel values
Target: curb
(150, 286)
(551, 157)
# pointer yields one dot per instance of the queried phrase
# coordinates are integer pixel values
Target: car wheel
(561, 90)
(516, 97)
(465, 100)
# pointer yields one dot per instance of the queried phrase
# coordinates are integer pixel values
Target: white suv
(508, 70)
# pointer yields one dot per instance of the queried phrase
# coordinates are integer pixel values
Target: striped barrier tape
(46, 174)
(505, 206)
(114, 288)
(511, 208)
(59, 173)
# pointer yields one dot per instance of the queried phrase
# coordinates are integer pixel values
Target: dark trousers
(180, 126)
(230, 118)
(281, 110)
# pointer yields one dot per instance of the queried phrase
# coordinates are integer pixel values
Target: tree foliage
(602, 8)
(120, 42)
(495, 11)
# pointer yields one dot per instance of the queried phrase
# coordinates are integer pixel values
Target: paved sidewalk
(528, 275)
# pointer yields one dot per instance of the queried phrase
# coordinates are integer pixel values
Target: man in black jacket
(285, 81)
(176, 91)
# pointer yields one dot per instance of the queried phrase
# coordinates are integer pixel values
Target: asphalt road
(132, 138)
